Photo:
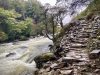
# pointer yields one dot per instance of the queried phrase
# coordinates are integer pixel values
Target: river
(16, 58)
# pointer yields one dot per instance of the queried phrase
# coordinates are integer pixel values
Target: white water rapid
(16, 58)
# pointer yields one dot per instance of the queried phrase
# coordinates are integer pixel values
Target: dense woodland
(20, 19)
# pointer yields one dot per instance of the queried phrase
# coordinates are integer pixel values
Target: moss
(23, 38)
(62, 32)
(40, 59)
(3, 36)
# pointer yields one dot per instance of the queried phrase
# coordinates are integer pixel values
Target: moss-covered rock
(40, 59)
(22, 38)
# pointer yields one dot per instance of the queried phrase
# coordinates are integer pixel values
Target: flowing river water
(16, 58)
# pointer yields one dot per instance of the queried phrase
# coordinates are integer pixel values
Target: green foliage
(62, 32)
(3, 36)
(9, 13)
(23, 38)
(40, 59)
(34, 10)
(20, 18)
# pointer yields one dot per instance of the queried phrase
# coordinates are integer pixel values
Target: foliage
(3, 36)
(20, 18)
(23, 38)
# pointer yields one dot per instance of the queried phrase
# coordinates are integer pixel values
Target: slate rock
(94, 54)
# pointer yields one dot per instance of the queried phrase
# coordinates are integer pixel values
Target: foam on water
(15, 58)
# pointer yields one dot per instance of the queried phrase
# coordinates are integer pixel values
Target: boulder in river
(10, 54)
(40, 59)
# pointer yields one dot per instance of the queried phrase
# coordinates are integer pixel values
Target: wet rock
(94, 54)
(77, 45)
(57, 72)
(77, 57)
(97, 71)
(94, 66)
(61, 65)
(53, 65)
(69, 60)
(23, 47)
(10, 54)
(46, 65)
(41, 71)
(83, 60)
(84, 70)
(81, 64)
(48, 69)
(83, 55)
(66, 72)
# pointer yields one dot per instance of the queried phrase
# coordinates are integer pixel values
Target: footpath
(78, 52)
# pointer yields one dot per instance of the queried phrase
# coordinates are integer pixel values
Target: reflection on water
(16, 58)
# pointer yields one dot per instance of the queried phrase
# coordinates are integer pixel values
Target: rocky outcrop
(75, 50)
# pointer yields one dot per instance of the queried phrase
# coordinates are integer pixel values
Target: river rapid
(16, 58)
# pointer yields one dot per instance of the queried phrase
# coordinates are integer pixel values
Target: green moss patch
(40, 59)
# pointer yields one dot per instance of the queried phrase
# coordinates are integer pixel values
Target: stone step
(94, 54)
(77, 45)
(79, 41)
(66, 72)
(70, 60)
(83, 36)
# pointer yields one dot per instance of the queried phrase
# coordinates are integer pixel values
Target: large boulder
(40, 59)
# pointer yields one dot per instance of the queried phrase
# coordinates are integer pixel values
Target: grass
(62, 33)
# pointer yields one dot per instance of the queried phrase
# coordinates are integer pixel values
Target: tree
(54, 15)
(4, 4)
(72, 5)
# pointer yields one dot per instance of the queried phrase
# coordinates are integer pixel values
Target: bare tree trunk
(53, 27)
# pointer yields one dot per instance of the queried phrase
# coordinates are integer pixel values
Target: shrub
(22, 38)
(3, 36)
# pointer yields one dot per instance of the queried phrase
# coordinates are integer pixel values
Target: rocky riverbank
(78, 52)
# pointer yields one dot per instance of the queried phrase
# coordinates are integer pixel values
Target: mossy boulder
(40, 59)
(22, 38)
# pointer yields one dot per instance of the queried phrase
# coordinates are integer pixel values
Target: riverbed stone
(10, 54)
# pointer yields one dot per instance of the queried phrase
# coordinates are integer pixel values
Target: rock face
(72, 51)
